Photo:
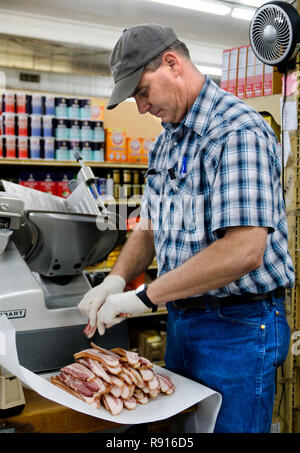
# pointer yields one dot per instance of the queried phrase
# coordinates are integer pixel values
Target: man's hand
(96, 296)
(116, 305)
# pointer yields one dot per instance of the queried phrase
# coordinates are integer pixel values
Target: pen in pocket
(183, 167)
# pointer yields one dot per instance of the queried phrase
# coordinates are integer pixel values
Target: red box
(23, 147)
(249, 90)
(241, 76)
(9, 143)
(233, 67)
(258, 77)
(48, 185)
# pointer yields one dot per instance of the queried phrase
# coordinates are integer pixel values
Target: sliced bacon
(132, 358)
(125, 377)
(89, 331)
(94, 354)
(165, 383)
(108, 352)
(96, 368)
(75, 384)
(153, 384)
(118, 378)
(130, 403)
(130, 374)
(92, 401)
(139, 380)
(146, 373)
(146, 362)
(79, 371)
(97, 386)
(112, 404)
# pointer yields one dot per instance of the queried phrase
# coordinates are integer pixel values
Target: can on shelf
(117, 191)
(136, 189)
(116, 176)
(136, 177)
(127, 176)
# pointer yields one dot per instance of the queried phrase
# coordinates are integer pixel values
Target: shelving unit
(69, 163)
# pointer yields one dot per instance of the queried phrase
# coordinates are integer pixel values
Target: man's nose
(142, 105)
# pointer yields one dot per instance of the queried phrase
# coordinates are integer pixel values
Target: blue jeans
(235, 351)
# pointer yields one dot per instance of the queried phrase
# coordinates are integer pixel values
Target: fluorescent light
(210, 70)
(253, 3)
(243, 13)
(198, 5)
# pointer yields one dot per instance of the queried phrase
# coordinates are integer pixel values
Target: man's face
(161, 93)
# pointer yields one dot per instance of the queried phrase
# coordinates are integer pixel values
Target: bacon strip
(165, 383)
(130, 403)
(89, 331)
(96, 368)
(92, 353)
(132, 358)
(112, 404)
(92, 401)
(79, 371)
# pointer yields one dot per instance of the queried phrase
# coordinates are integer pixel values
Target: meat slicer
(46, 242)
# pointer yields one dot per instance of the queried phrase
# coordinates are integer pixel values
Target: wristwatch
(141, 293)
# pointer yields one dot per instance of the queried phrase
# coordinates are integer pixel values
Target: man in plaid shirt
(214, 216)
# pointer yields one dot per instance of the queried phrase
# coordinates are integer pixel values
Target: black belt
(206, 302)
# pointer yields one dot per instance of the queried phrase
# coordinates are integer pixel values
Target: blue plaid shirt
(219, 168)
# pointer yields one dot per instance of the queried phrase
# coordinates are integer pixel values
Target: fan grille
(271, 34)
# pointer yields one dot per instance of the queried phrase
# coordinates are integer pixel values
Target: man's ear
(170, 59)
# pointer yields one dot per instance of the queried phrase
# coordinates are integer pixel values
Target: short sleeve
(243, 191)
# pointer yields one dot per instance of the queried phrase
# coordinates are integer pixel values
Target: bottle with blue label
(73, 109)
(61, 150)
(85, 109)
(98, 131)
(61, 108)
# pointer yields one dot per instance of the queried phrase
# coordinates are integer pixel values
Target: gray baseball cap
(135, 48)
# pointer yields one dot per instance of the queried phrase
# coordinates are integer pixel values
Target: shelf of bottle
(69, 163)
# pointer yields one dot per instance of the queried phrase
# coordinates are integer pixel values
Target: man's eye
(144, 93)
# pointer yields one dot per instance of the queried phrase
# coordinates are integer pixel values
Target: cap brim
(124, 88)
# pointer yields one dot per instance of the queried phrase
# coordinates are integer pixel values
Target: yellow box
(134, 149)
(146, 146)
(115, 145)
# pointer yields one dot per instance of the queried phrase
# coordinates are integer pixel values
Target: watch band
(141, 293)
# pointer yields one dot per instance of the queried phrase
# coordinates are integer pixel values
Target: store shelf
(270, 104)
(69, 163)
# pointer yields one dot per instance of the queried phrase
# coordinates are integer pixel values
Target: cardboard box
(115, 149)
(146, 146)
(134, 149)
(272, 81)
(249, 90)
(97, 109)
(273, 124)
(233, 69)
(225, 69)
(241, 76)
(258, 77)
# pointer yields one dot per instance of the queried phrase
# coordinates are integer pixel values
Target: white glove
(115, 304)
(96, 296)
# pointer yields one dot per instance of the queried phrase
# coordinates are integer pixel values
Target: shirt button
(262, 326)
(277, 313)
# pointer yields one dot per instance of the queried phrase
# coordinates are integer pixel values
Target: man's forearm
(136, 255)
(223, 262)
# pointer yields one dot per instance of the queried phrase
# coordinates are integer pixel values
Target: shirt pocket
(186, 206)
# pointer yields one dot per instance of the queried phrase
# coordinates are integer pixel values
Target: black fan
(275, 34)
